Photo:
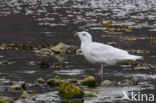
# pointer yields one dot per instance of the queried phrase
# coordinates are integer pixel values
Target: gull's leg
(101, 72)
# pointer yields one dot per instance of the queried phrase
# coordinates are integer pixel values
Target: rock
(16, 88)
(25, 95)
(54, 82)
(89, 81)
(6, 100)
(79, 52)
(71, 50)
(116, 74)
(134, 81)
(60, 48)
(44, 65)
(60, 57)
(106, 83)
(4, 46)
(72, 80)
(40, 80)
(45, 52)
(131, 82)
(70, 91)
(31, 63)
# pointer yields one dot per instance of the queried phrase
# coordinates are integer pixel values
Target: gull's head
(84, 36)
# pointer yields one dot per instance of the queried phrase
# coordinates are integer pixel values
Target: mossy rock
(72, 101)
(3, 101)
(89, 81)
(6, 100)
(70, 91)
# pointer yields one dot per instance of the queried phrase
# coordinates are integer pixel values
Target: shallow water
(52, 21)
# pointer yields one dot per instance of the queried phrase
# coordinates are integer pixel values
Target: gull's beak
(76, 33)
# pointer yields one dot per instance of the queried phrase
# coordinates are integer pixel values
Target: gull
(99, 53)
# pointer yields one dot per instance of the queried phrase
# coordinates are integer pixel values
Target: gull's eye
(84, 34)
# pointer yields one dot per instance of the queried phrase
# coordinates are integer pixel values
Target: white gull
(99, 53)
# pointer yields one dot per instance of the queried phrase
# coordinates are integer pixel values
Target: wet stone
(71, 50)
(31, 63)
(44, 64)
(40, 81)
(89, 81)
(16, 88)
(106, 83)
(60, 48)
(134, 81)
(55, 82)
(24, 95)
(72, 80)
(45, 52)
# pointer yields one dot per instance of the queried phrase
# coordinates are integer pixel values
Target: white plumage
(99, 53)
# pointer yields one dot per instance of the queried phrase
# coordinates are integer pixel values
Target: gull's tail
(135, 57)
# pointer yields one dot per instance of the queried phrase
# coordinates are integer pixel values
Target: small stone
(60, 48)
(16, 88)
(54, 82)
(25, 95)
(79, 52)
(106, 83)
(31, 63)
(40, 80)
(45, 52)
(89, 81)
(71, 50)
(134, 81)
(72, 80)
(116, 74)
(60, 57)
(44, 65)
(70, 91)
(4, 46)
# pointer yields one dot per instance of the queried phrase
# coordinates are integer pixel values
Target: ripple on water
(70, 72)
(143, 76)
(111, 94)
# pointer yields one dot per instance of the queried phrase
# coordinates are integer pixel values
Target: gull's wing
(102, 53)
